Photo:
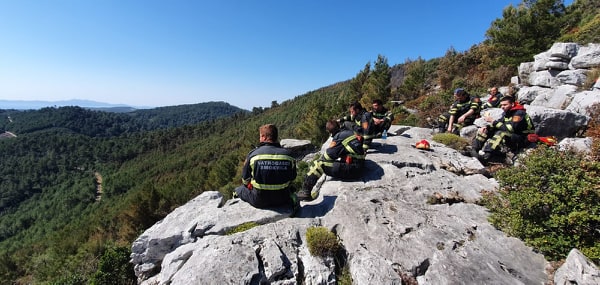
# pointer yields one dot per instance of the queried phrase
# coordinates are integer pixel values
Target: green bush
(242, 228)
(451, 140)
(551, 201)
(114, 267)
(321, 242)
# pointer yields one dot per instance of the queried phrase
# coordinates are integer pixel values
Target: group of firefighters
(511, 132)
(269, 169)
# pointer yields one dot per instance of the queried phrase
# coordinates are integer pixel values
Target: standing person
(463, 112)
(494, 100)
(268, 172)
(382, 117)
(511, 130)
(360, 121)
(344, 158)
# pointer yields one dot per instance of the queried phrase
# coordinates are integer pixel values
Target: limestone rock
(564, 51)
(557, 98)
(528, 94)
(587, 57)
(558, 123)
(414, 215)
(581, 145)
(577, 269)
(544, 78)
(573, 77)
(584, 102)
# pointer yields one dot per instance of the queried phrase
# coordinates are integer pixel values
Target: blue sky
(247, 53)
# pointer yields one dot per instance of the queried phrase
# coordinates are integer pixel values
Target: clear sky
(246, 52)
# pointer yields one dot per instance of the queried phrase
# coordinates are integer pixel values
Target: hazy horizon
(153, 53)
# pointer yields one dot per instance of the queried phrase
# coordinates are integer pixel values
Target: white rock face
(554, 85)
(386, 222)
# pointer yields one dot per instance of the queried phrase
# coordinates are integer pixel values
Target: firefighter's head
(332, 127)
(507, 103)
(268, 133)
(494, 91)
(377, 105)
(355, 108)
(460, 95)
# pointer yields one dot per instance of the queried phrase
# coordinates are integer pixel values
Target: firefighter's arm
(465, 115)
(450, 123)
(389, 117)
(332, 152)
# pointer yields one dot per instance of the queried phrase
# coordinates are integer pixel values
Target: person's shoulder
(272, 148)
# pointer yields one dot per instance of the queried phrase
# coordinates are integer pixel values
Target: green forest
(77, 186)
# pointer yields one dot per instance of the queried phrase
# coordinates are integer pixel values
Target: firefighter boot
(305, 193)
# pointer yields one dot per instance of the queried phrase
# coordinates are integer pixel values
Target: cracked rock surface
(389, 228)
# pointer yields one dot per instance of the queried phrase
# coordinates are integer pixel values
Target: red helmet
(423, 144)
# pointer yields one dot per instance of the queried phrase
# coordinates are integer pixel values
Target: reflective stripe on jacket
(269, 167)
(344, 143)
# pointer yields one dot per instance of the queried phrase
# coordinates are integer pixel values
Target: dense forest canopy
(78, 186)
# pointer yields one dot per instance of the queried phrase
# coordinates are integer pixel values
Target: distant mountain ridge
(38, 104)
(111, 121)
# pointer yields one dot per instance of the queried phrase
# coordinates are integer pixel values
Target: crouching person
(510, 131)
(268, 173)
(344, 158)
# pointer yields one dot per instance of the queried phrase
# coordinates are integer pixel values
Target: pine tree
(377, 85)
(525, 30)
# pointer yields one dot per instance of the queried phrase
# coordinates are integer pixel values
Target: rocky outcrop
(552, 89)
(412, 216)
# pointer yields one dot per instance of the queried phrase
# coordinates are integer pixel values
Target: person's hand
(461, 119)
(483, 130)
(449, 129)
(487, 117)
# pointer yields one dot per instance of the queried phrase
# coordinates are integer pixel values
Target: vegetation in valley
(78, 186)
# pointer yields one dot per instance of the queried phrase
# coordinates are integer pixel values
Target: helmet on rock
(423, 144)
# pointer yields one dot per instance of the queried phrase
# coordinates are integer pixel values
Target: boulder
(564, 51)
(557, 65)
(558, 123)
(577, 269)
(587, 57)
(527, 94)
(540, 60)
(544, 78)
(580, 145)
(575, 77)
(557, 98)
(299, 148)
(584, 102)
(525, 68)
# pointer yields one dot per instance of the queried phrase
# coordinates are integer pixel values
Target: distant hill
(172, 116)
(113, 121)
(33, 105)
